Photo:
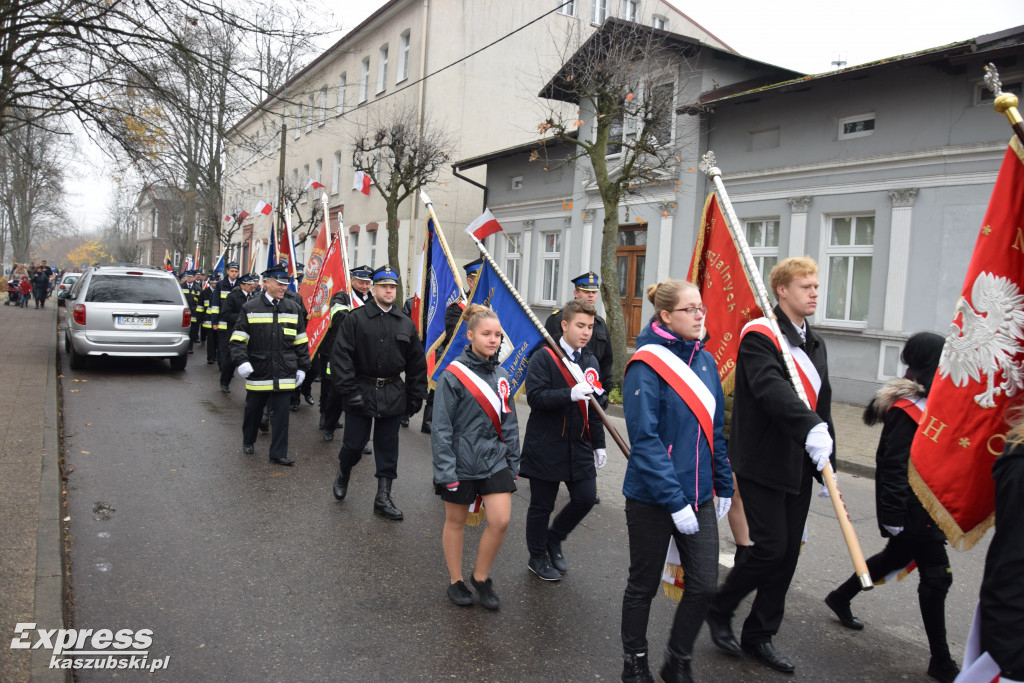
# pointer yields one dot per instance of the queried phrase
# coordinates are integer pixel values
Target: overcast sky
(805, 35)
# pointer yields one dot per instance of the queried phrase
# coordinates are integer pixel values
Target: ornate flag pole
(707, 166)
(556, 347)
(440, 236)
(1006, 102)
(342, 245)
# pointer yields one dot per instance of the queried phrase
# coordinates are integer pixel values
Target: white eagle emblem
(988, 339)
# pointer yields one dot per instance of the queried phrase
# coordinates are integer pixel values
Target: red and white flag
(263, 208)
(228, 218)
(313, 184)
(361, 182)
(314, 264)
(483, 226)
(980, 372)
(332, 280)
(241, 216)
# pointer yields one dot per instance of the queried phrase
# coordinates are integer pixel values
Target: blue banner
(521, 336)
(441, 290)
(272, 249)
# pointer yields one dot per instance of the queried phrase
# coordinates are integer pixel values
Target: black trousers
(650, 527)
(385, 442)
(330, 403)
(582, 496)
(193, 333)
(211, 344)
(254, 404)
(222, 349)
(776, 520)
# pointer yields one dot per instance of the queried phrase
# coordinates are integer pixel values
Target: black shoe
(459, 594)
(943, 669)
(721, 635)
(321, 421)
(404, 421)
(676, 670)
(309, 400)
(635, 669)
(248, 449)
(210, 362)
(770, 657)
(425, 427)
(341, 484)
(190, 352)
(367, 450)
(328, 435)
(225, 388)
(597, 500)
(282, 461)
(555, 554)
(485, 590)
(294, 407)
(541, 566)
(264, 426)
(842, 610)
(382, 503)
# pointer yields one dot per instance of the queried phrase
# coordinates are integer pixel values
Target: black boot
(341, 483)
(841, 607)
(382, 504)
(676, 669)
(635, 669)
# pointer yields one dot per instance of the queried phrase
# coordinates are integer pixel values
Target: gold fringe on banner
(958, 538)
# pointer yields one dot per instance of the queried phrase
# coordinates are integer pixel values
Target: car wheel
(75, 360)
(179, 362)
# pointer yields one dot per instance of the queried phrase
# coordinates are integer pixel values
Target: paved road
(248, 571)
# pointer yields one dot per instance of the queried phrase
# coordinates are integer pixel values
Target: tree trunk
(392, 210)
(610, 288)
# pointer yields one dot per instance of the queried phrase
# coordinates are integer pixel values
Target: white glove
(600, 458)
(722, 506)
(300, 375)
(245, 369)
(1004, 679)
(819, 445)
(581, 391)
(685, 520)
(894, 530)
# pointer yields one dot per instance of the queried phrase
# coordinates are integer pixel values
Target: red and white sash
(684, 382)
(571, 381)
(808, 374)
(482, 392)
(915, 409)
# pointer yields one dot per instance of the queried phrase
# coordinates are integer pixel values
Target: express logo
(90, 649)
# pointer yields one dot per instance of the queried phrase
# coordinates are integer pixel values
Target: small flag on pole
(483, 226)
(263, 208)
(361, 182)
(241, 216)
(313, 184)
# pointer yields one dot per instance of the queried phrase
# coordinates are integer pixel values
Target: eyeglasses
(692, 310)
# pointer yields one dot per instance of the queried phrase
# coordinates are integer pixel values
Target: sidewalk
(30, 489)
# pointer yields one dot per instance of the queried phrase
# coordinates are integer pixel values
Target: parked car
(127, 310)
(63, 288)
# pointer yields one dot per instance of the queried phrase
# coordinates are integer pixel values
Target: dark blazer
(600, 345)
(769, 421)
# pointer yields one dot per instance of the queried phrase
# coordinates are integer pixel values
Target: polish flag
(263, 208)
(241, 216)
(228, 218)
(313, 184)
(483, 226)
(361, 182)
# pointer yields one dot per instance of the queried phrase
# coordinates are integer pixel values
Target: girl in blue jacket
(677, 465)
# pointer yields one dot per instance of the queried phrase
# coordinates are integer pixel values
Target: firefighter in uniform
(588, 288)
(191, 292)
(206, 301)
(362, 280)
(229, 313)
(200, 286)
(220, 294)
(375, 345)
(268, 344)
(330, 401)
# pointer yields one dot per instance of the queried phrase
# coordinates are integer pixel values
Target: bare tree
(623, 79)
(400, 158)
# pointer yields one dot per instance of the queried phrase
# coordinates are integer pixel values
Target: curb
(48, 602)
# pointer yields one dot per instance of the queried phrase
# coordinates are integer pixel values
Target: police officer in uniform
(229, 313)
(206, 301)
(220, 294)
(268, 344)
(375, 345)
(588, 288)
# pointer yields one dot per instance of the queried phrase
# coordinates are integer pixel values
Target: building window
(567, 8)
(513, 258)
(298, 188)
(298, 121)
(323, 105)
(319, 177)
(372, 237)
(354, 246)
(336, 174)
(858, 126)
(630, 9)
(763, 238)
(663, 95)
(340, 106)
(850, 247)
(599, 11)
(310, 113)
(364, 79)
(1011, 83)
(403, 57)
(659, 22)
(552, 256)
(517, 182)
(382, 69)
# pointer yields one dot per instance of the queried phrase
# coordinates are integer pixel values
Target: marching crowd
(28, 281)
(684, 471)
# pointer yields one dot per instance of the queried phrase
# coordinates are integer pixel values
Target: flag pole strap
(440, 236)
(1005, 102)
(557, 348)
(707, 166)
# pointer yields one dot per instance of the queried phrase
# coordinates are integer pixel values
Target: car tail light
(79, 314)
(186, 318)
(61, 287)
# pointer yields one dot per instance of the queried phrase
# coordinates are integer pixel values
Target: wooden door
(631, 261)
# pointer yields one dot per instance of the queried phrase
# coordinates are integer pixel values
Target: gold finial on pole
(1005, 102)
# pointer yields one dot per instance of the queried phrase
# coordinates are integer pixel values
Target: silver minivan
(127, 310)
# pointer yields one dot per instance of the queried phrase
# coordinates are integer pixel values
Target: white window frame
(630, 10)
(659, 22)
(336, 176)
(319, 177)
(517, 182)
(629, 123)
(372, 238)
(598, 11)
(514, 258)
(550, 263)
(1012, 82)
(382, 68)
(900, 367)
(310, 112)
(404, 45)
(762, 251)
(850, 252)
(342, 83)
(354, 242)
(305, 173)
(364, 79)
(867, 116)
(297, 133)
(568, 9)
(323, 105)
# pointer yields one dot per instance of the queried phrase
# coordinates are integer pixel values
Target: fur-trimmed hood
(893, 391)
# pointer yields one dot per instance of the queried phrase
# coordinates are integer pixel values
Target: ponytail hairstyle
(474, 313)
(665, 295)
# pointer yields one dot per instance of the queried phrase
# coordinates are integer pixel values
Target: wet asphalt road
(248, 571)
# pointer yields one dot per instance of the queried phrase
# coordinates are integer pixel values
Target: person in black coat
(777, 447)
(330, 400)
(588, 288)
(40, 287)
(229, 313)
(561, 445)
(913, 535)
(376, 344)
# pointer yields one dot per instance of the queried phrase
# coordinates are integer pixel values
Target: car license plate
(136, 321)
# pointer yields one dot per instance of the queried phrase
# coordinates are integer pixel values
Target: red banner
(314, 264)
(331, 281)
(717, 269)
(980, 374)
